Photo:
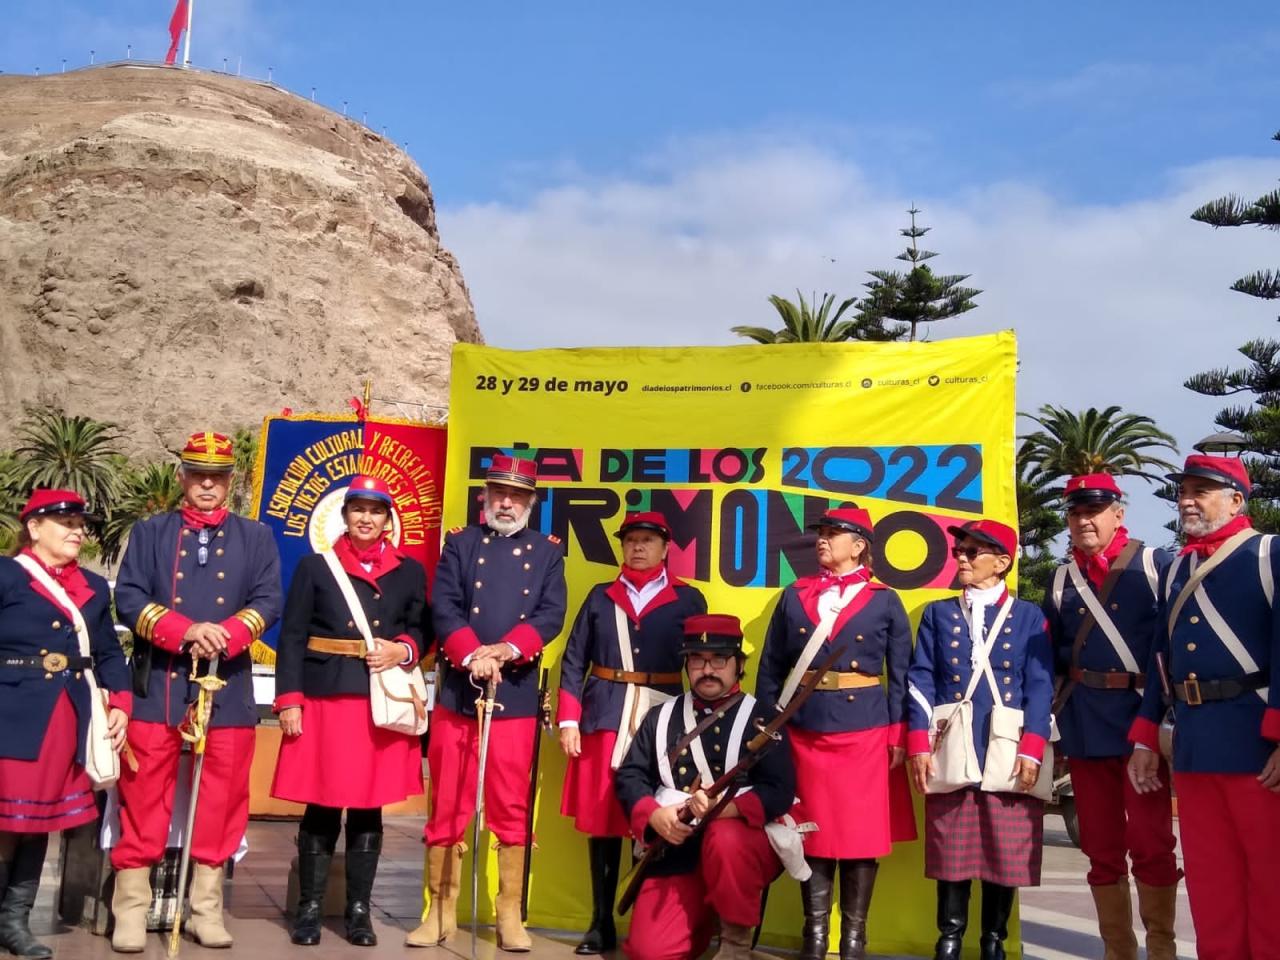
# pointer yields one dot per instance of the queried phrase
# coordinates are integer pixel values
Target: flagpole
(186, 48)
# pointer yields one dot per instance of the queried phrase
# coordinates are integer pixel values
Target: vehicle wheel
(1067, 806)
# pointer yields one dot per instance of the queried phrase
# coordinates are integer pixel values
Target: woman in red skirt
(849, 735)
(44, 699)
(332, 756)
(624, 648)
(995, 835)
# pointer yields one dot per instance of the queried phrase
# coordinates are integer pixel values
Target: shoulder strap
(1059, 583)
(349, 594)
(700, 728)
(664, 757)
(1149, 568)
(1203, 570)
(1096, 610)
(1264, 569)
(41, 576)
(740, 721)
(985, 647)
(819, 637)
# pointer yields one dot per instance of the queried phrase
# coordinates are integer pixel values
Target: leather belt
(49, 662)
(835, 680)
(1108, 680)
(343, 648)
(1194, 692)
(634, 676)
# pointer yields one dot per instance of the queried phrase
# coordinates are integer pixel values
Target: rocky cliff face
(181, 250)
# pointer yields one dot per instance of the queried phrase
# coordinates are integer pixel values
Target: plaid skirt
(997, 837)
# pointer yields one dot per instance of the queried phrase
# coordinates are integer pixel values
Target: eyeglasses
(698, 662)
(202, 554)
(970, 553)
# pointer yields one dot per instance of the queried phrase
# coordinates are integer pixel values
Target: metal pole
(92, 56)
(128, 52)
(64, 64)
(186, 46)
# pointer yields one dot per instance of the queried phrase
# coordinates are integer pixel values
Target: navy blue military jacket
(162, 589)
(490, 589)
(1022, 662)
(396, 610)
(772, 781)
(1219, 736)
(876, 637)
(31, 625)
(1095, 722)
(655, 648)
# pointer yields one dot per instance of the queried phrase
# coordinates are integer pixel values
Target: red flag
(177, 23)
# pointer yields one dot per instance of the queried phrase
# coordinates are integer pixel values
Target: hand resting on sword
(207, 640)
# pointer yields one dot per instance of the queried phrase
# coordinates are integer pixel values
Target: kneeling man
(681, 747)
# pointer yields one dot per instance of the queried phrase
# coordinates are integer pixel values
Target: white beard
(504, 528)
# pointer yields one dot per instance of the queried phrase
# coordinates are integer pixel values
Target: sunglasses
(970, 553)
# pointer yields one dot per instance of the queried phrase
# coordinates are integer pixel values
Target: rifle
(543, 723)
(726, 787)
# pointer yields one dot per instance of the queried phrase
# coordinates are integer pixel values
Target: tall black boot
(363, 850)
(20, 896)
(815, 897)
(857, 881)
(602, 854)
(997, 904)
(953, 918)
(315, 853)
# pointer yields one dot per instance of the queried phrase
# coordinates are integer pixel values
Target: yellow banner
(741, 447)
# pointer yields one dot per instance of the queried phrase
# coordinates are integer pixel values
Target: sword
(195, 732)
(542, 722)
(485, 706)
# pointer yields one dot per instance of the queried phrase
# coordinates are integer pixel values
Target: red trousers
(146, 797)
(1118, 824)
(1230, 827)
(674, 917)
(452, 751)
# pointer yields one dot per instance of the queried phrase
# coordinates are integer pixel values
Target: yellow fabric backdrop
(741, 446)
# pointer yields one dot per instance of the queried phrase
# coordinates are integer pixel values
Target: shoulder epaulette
(553, 538)
(456, 530)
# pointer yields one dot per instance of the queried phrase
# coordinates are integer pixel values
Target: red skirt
(588, 794)
(342, 760)
(843, 781)
(51, 792)
(997, 837)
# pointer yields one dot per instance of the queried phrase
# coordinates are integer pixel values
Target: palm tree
(77, 453)
(244, 443)
(1095, 441)
(152, 489)
(803, 323)
(11, 501)
(1040, 520)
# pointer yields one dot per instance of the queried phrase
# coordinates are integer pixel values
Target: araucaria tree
(1258, 420)
(917, 296)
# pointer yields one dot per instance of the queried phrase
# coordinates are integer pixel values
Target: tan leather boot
(129, 906)
(511, 933)
(444, 880)
(1115, 921)
(735, 942)
(205, 925)
(1157, 907)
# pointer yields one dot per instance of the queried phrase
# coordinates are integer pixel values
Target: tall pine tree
(917, 296)
(1258, 420)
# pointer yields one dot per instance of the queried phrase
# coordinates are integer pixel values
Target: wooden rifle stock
(725, 788)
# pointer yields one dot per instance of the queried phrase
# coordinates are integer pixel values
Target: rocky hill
(182, 249)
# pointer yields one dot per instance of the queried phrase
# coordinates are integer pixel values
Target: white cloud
(1112, 303)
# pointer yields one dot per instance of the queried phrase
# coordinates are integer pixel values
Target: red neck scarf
(638, 578)
(1096, 566)
(813, 587)
(199, 519)
(382, 555)
(68, 576)
(1207, 545)
(700, 704)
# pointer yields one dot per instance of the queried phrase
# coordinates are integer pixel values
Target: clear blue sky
(613, 173)
(494, 97)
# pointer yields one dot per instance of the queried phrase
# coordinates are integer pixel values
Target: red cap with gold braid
(208, 451)
(512, 472)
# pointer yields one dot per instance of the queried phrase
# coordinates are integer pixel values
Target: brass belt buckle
(1191, 687)
(830, 681)
(54, 662)
(617, 675)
